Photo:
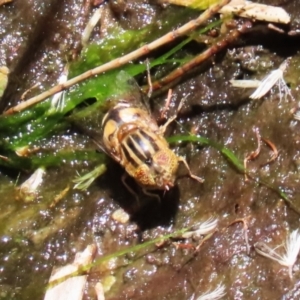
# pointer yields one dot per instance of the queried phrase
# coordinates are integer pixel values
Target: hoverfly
(132, 137)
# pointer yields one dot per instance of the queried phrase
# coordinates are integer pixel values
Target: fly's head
(159, 171)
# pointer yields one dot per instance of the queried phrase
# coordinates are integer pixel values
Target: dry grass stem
(245, 83)
(91, 25)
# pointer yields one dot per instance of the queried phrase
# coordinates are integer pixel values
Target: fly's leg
(163, 128)
(130, 190)
(199, 179)
(151, 194)
(167, 104)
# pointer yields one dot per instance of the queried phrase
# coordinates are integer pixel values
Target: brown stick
(121, 60)
(254, 153)
(228, 39)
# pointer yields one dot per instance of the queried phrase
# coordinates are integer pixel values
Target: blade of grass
(116, 254)
(232, 158)
(235, 161)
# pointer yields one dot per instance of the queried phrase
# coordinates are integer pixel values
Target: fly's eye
(148, 161)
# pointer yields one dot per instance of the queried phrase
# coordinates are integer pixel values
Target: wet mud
(37, 236)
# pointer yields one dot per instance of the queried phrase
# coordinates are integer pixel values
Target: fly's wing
(125, 90)
(90, 126)
(128, 91)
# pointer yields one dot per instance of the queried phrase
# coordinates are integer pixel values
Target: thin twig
(149, 78)
(253, 154)
(29, 90)
(274, 150)
(171, 36)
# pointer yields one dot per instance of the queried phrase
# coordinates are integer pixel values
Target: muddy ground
(35, 237)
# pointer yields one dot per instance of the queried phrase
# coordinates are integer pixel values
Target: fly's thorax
(119, 120)
(123, 113)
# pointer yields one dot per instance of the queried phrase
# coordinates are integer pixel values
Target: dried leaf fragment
(273, 78)
(262, 12)
(99, 291)
(28, 191)
(121, 216)
(72, 288)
